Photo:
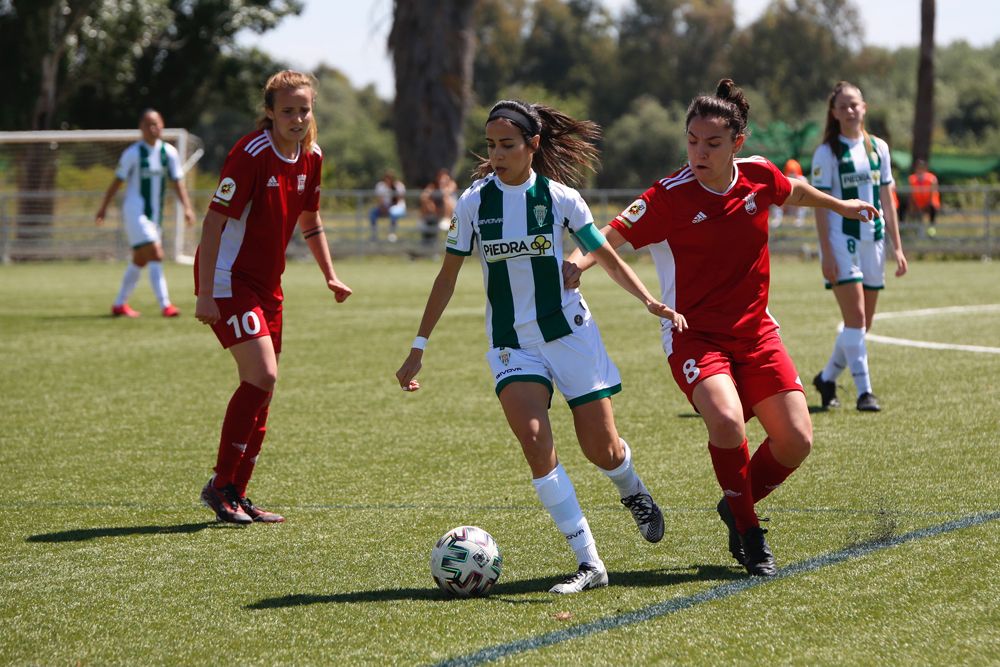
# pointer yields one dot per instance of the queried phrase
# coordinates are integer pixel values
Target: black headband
(522, 121)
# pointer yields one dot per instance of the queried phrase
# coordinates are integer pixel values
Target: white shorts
(139, 229)
(858, 261)
(577, 363)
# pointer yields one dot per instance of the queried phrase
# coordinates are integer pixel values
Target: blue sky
(351, 35)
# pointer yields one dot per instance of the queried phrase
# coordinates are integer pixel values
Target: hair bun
(724, 88)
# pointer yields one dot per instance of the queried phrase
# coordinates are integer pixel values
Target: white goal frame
(178, 136)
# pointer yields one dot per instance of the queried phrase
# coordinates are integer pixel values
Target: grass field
(888, 535)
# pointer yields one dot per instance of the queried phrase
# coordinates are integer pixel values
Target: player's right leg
(243, 328)
(525, 404)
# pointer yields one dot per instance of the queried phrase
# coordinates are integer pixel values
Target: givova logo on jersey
(501, 250)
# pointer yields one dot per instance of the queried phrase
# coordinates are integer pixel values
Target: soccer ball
(466, 561)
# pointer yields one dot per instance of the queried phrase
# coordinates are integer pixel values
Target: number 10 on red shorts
(243, 318)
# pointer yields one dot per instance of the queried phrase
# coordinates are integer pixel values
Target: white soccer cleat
(590, 575)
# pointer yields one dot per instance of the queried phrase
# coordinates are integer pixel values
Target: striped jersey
(262, 193)
(144, 169)
(854, 174)
(710, 248)
(518, 231)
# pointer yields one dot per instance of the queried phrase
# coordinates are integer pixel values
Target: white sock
(838, 359)
(857, 358)
(129, 281)
(625, 478)
(159, 283)
(558, 496)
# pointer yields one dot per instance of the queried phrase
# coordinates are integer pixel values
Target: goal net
(52, 183)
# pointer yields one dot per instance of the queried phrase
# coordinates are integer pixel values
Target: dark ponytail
(566, 147)
(729, 104)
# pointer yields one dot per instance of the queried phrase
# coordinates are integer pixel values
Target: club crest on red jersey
(750, 203)
(302, 183)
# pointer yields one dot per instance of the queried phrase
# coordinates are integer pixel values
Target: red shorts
(244, 317)
(759, 368)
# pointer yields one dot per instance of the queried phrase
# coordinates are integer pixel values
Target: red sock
(245, 469)
(766, 474)
(732, 469)
(241, 415)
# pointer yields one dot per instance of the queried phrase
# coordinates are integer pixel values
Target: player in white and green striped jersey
(541, 333)
(144, 168)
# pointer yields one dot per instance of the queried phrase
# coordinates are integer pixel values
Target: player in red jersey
(706, 227)
(269, 183)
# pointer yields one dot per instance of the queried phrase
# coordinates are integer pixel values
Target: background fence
(966, 227)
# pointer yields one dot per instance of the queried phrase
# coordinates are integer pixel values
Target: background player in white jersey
(144, 167)
(541, 333)
(850, 163)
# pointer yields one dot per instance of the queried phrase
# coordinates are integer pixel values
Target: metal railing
(65, 228)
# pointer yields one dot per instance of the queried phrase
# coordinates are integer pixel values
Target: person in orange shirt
(793, 170)
(924, 195)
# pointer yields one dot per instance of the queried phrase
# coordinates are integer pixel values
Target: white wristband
(419, 343)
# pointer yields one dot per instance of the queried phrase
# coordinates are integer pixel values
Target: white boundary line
(667, 607)
(929, 345)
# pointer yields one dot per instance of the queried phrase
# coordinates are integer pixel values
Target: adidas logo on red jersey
(272, 182)
(701, 217)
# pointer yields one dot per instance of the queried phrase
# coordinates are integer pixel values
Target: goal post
(52, 181)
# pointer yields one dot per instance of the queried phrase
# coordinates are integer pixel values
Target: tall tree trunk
(37, 168)
(923, 120)
(432, 53)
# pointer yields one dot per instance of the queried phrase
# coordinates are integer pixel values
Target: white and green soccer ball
(466, 561)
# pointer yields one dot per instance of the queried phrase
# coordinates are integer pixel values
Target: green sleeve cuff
(588, 238)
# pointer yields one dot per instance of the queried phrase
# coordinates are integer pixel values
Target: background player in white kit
(541, 332)
(851, 163)
(144, 167)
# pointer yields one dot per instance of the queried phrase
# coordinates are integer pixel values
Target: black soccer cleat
(827, 391)
(868, 403)
(223, 503)
(735, 544)
(647, 516)
(759, 559)
(254, 512)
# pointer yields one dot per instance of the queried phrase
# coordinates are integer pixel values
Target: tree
(499, 32)
(646, 143)
(923, 117)
(671, 49)
(797, 50)
(432, 50)
(97, 63)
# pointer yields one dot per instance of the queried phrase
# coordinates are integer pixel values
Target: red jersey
(262, 193)
(710, 248)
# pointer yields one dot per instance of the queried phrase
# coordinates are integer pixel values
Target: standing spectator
(924, 195)
(706, 228)
(852, 163)
(270, 183)
(390, 201)
(541, 332)
(144, 167)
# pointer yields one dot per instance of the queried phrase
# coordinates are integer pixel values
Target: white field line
(929, 345)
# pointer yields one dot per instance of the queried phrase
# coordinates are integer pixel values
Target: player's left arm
(182, 194)
(311, 227)
(889, 213)
(803, 194)
(609, 260)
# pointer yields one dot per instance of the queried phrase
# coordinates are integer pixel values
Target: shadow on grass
(84, 534)
(639, 579)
